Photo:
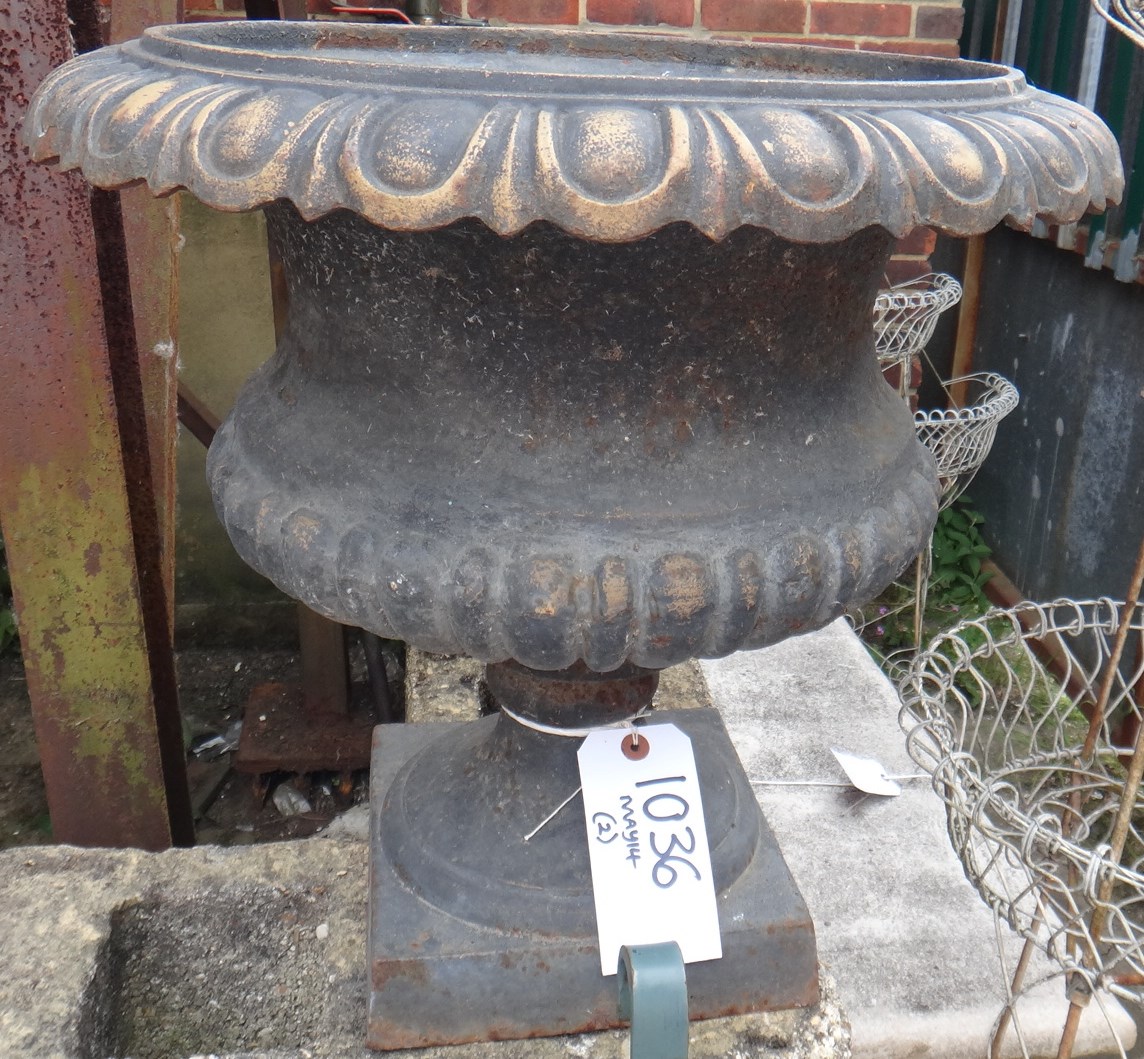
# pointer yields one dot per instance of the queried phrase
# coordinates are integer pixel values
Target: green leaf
(956, 520)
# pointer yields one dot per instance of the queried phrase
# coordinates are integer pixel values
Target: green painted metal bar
(64, 503)
(1026, 36)
(1033, 23)
(652, 984)
(977, 30)
(1131, 211)
(1050, 45)
(1048, 37)
(1067, 48)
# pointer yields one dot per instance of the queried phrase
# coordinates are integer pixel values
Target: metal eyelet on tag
(635, 747)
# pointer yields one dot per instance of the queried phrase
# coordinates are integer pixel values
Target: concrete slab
(249, 953)
(911, 944)
(260, 951)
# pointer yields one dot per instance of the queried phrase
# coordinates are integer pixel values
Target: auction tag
(651, 865)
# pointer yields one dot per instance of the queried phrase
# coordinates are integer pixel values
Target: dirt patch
(231, 808)
(23, 806)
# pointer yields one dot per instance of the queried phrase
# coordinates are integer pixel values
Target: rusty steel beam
(312, 727)
(196, 416)
(150, 234)
(108, 734)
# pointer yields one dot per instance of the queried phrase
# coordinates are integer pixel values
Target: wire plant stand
(1126, 15)
(1040, 798)
(960, 438)
(905, 316)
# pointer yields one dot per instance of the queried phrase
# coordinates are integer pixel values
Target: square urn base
(436, 979)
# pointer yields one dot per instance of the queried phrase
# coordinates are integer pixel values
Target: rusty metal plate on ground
(280, 735)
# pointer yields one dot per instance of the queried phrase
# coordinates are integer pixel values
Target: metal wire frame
(1125, 15)
(905, 316)
(1028, 814)
(960, 438)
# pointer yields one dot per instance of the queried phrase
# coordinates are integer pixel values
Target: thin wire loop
(580, 733)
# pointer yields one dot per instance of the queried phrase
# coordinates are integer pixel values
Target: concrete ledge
(260, 950)
(911, 944)
(252, 951)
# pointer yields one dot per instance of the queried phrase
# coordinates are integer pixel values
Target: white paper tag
(866, 774)
(647, 839)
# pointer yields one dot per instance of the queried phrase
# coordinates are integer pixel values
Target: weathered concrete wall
(1063, 490)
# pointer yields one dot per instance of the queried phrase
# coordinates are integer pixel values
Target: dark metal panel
(1063, 490)
(63, 490)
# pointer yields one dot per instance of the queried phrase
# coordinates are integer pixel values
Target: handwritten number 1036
(669, 807)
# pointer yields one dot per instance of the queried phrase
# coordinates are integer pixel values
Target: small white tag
(647, 840)
(866, 774)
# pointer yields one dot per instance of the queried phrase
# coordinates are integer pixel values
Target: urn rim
(610, 136)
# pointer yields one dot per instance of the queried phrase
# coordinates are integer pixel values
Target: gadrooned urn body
(551, 450)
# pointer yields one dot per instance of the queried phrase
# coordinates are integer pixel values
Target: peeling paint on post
(63, 493)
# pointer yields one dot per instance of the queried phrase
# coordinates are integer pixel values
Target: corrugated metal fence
(1066, 47)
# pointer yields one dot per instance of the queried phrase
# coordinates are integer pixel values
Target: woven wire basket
(905, 316)
(1001, 733)
(960, 438)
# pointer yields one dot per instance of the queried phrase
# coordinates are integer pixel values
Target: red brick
(767, 38)
(642, 12)
(200, 5)
(861, 20)
(845, 43)
(893, 375)
(760, 16)
(920, 242)
(944, 49)
(901, 269)
(451, 7)
(530, 12)
(939, 23)
(233, 5)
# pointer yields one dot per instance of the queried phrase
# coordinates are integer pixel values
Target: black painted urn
(578, 379)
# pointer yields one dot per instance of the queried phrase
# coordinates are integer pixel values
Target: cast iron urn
(578, 379)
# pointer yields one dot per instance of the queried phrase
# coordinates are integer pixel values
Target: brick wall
(920, 27)
(927, 28)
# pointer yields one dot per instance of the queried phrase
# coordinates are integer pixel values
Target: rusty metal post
(106, 722)
(150, 234)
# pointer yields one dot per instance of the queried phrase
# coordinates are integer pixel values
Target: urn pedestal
(578, 379)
